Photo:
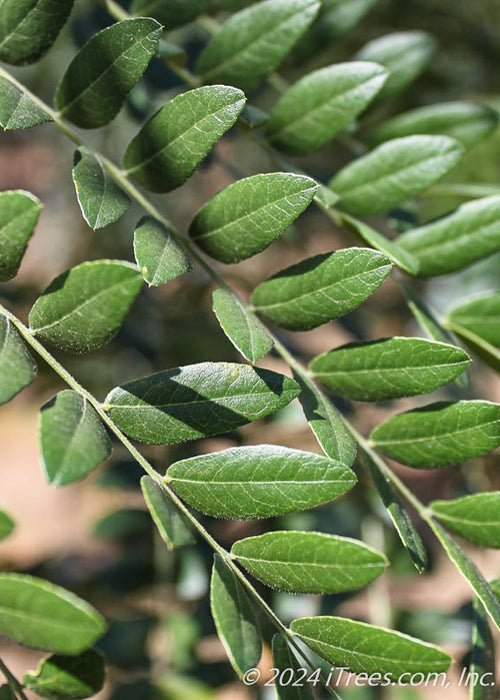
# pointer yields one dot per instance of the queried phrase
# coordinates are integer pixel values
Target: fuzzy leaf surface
(17, 110)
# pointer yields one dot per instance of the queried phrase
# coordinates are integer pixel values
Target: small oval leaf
(173, 529)
(159, 257)
(40, 615)
(321, 288)
(17, 110)
(67, 677)
(250, 214)
(475, 518)
(19, 212)
(309, 562)
(82, 309)
(189, 402)
(17, 368)
(260, 481)
(171, 145)
(440, 433)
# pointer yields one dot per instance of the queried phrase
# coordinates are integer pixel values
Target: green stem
(14, 684)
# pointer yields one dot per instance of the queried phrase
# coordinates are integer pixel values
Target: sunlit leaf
(475, 518)
(17, 110)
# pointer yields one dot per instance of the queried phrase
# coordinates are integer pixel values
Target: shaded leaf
(317, 107)
(253, 42)
(101, 201)
(252, 117)
(67, 677)
(19, 212)
(17, 368)
(73, 440)
(472, 232)
(389, 368)
(234, 618)
(440, 433)
(467, 122)
(30, 27)
(483, 662)
(17, 110)
(321, 288)
(489, 354)
(173, 529)
(171, 14)
(309, 562)
(250, 214)
(338, 17)
(83, 308)
(98, 79)
(285, 659)
(6, 693)
(243, 328)
(393, 173)
(404, 54)
(159, 257)
(475, 518)
(40, 615)
(171, 145)
(124, 524)
(481, 315)
(260, 481)
(366, 648)
(7, 525)
(189, 402)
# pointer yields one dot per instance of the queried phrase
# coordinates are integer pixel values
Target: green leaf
(243, 329)
(17, 368)
(123, 525)
(406, 261)
(261, 481)
(389, 368)
(338, 17)
(82, 309)
(234, 618)
(369, 649)
(440, 433)
(6, 693)
(171, 14)
(7, 525)
(321, 104)
(285, 659)
(195, 401)
(67, 677)
(393, 173)
(309, 562)
(489, 354)
(173, 529)
(40, 615)
(400, 517)
(470, 573)
(101, 200)
(404, 54)
(472, 232)
(326, 423)
(252, 117)
(253, 42)
(467, 122)
(475, 518)
(158, 256)
(321, 288)
(481, 315)
(97, 81)
(17, 110)
(171, 145)
(73, 440)
(250, 214)
(19, 212)
(30, 27)
(483, 662)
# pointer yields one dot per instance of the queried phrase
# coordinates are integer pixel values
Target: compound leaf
(17, 367)
(481, 316)
(475, 518)
(17, 110)
(393, 173)
(98, 79)
(73, 440)
(19, 212)
(43, 616)
(369, 649)
(254, 41)
(321, 288)
(171, 14)
(243, 328)
(189, 402)
(171, 145)
(101, 201)
(389, 368)
(67, 677)
(250, 214)
(83, 308)
(440, 433)
(172, 528)
(260, 481)
(321, 104)
(309, 562)
(234, 618)
(159, 257)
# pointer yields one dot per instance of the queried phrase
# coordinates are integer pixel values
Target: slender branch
(14, 684)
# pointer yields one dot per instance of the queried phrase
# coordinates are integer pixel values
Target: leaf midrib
(428, 248)
(380, 370)
(16, 29)
(404, 441)
(150, 406)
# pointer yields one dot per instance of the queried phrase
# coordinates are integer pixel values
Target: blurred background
(95, 537)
